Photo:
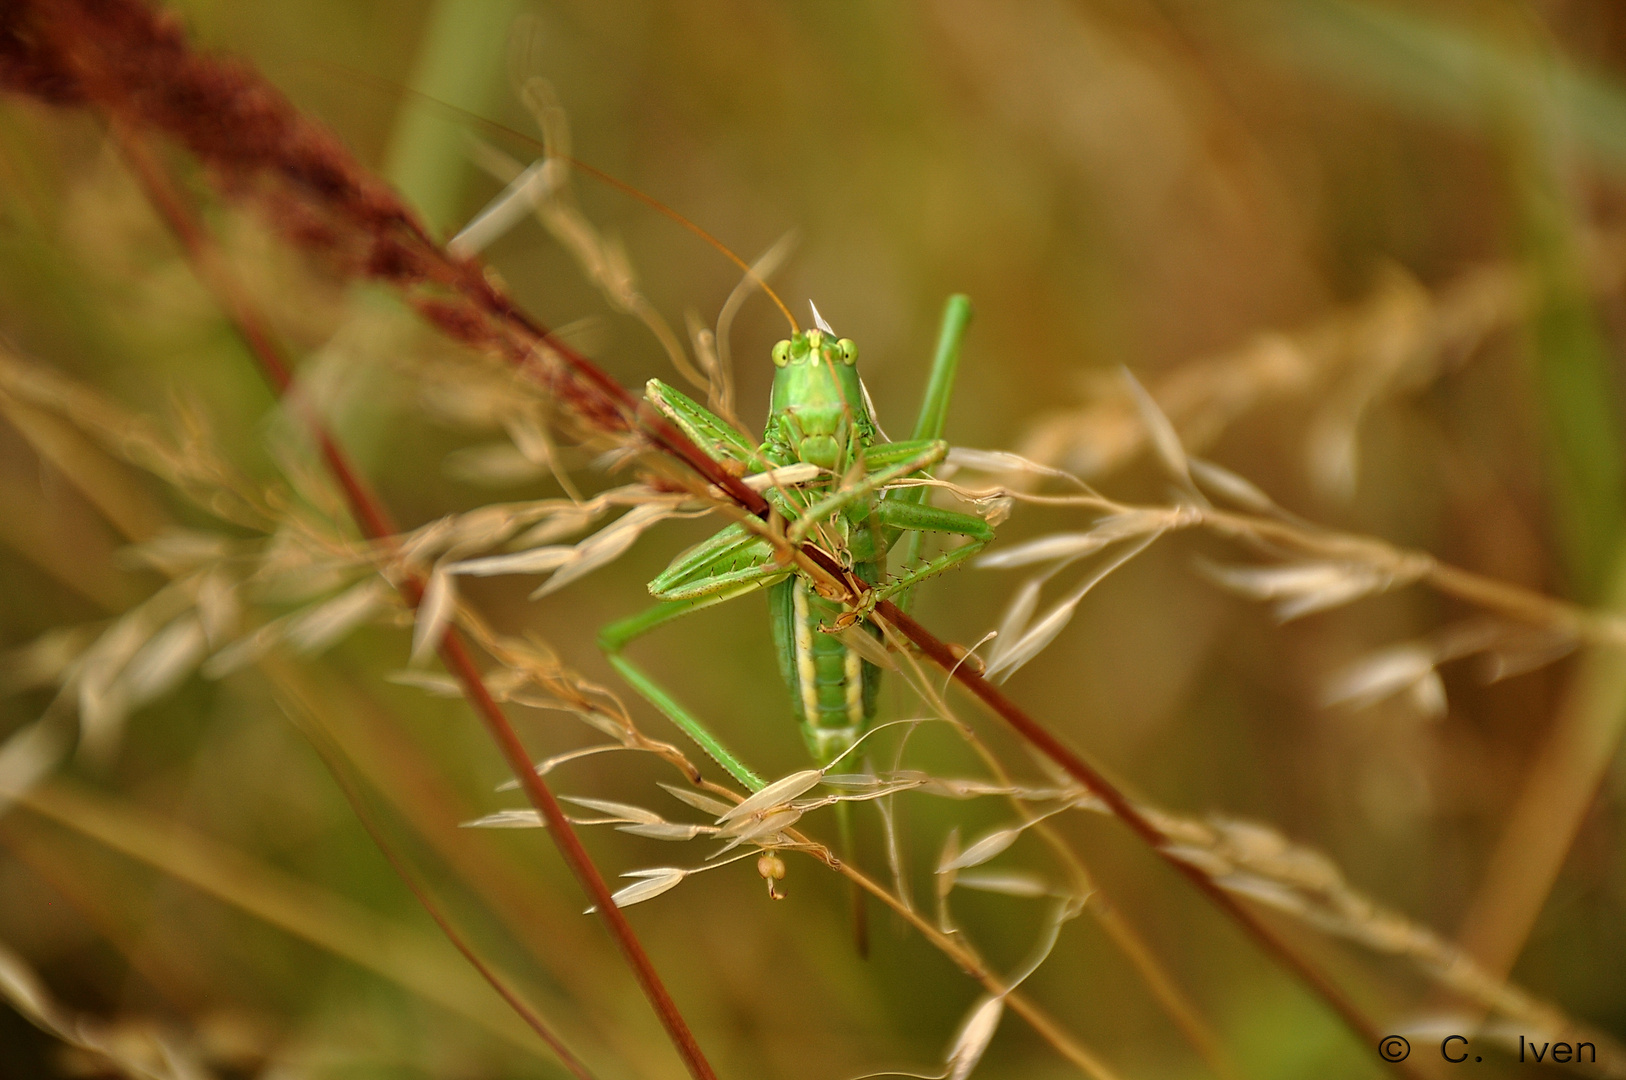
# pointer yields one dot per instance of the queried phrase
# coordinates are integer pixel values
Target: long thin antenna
(597, 174)
(655, 204)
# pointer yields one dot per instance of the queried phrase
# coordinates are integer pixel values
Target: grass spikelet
(774, 795)
(1022, 641)
(704, 803)
(27, 756)
(652, 884)
(972, 1040)
(320, 625)
(1391, 671)
(433, 615)
(1302, 589)
(1006, 883)
(982, 849)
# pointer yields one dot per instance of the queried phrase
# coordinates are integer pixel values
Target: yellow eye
(781, 354)
(849, 351)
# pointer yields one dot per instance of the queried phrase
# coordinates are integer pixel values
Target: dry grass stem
(1398, 340)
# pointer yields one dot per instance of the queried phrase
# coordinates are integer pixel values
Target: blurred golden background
(1366, 254)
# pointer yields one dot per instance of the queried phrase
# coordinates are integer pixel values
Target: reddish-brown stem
(371, 514)
(376, 523)
(1126, 811)
(353, 795)
(456, 657)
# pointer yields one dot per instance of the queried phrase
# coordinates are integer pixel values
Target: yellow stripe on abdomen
(855, 687)
(807, 673)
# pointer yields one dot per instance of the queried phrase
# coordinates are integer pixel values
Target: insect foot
(846, 620)
(860, 611)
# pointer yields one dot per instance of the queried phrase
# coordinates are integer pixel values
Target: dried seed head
(772, 869)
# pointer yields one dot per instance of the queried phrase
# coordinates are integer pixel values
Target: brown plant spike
(105, 54)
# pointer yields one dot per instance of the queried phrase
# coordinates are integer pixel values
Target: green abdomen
(832, 689)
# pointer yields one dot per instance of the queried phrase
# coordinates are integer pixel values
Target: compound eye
(781, 354)
(849, 351)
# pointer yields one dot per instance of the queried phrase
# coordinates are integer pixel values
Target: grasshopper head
(815, 347)
(817, 406)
